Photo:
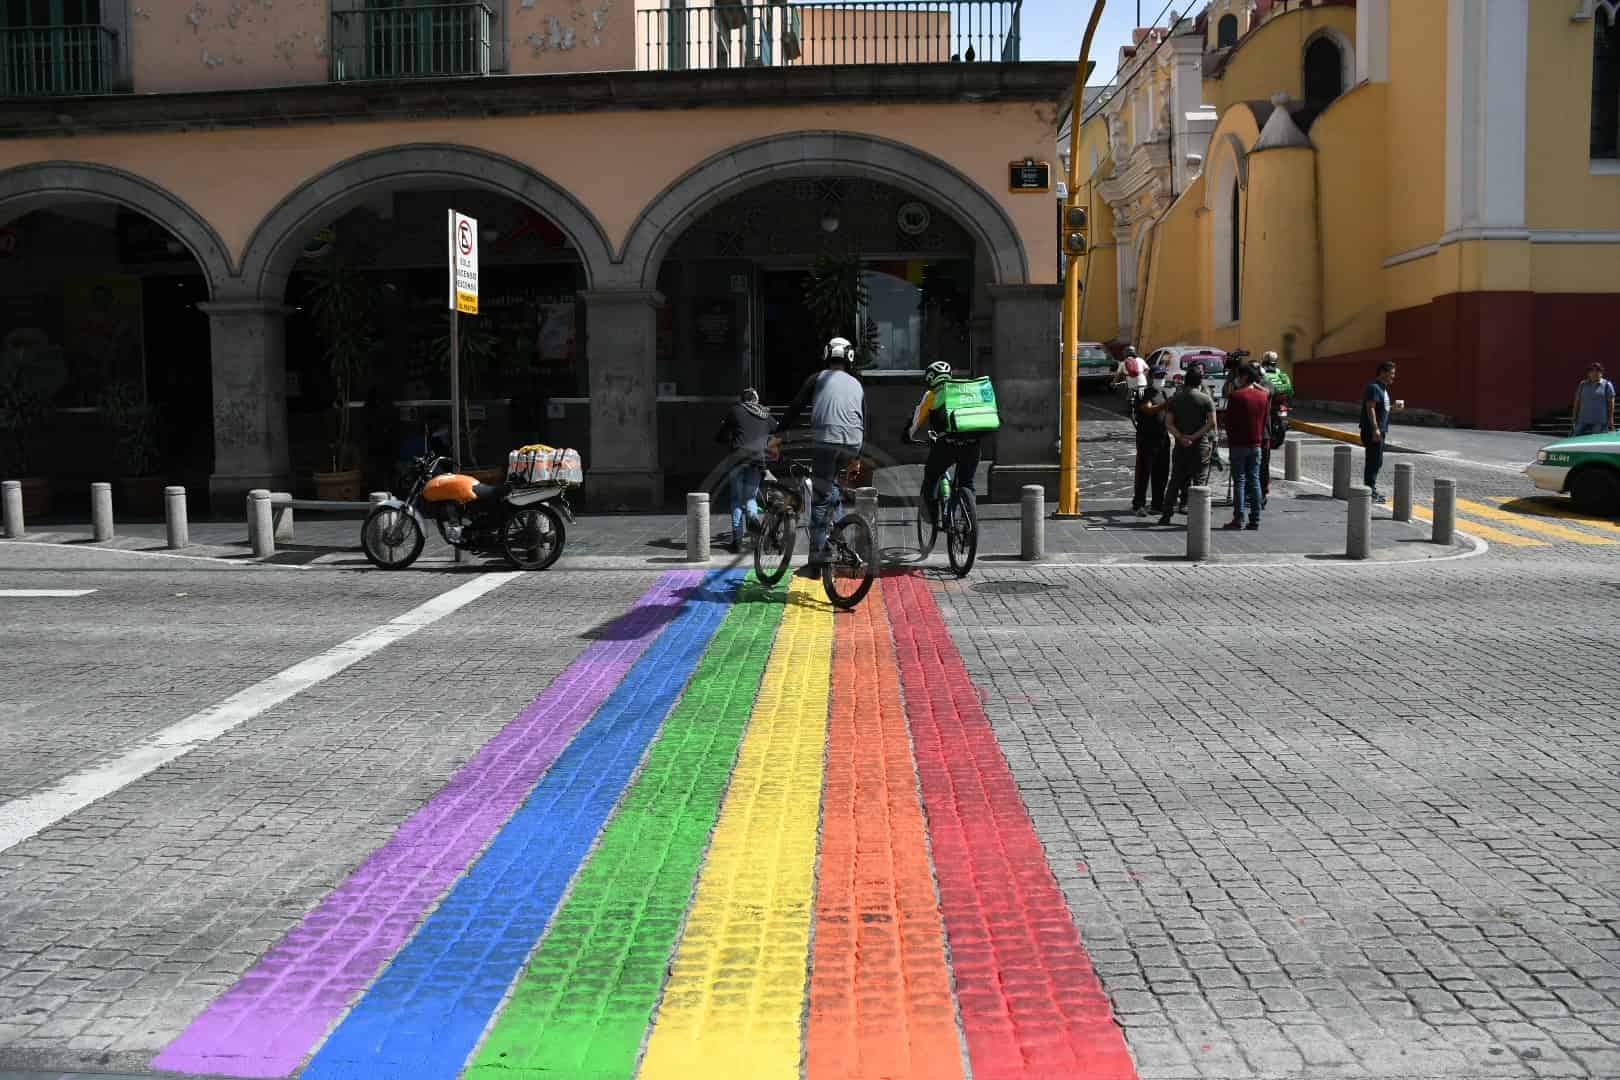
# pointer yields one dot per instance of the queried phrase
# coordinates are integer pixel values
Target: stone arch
(818, 153)
(1328, 35)
(34, 187)
(274, 246)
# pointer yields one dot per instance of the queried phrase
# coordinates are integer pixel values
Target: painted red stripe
(1031, 1003)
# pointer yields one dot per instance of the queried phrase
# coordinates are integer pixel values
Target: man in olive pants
(1192, 435)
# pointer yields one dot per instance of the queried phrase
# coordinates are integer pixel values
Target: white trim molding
(1487, 75)
(1534, 236)
(1586, 10)
(1372, 41)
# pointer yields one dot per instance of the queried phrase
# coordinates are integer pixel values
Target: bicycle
(955, 517)
(848, 574)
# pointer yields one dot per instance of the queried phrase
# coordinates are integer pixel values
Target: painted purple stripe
(267, 1023)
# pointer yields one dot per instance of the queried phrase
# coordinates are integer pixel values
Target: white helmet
(938, 372)
(1269, 360)
(838, 349)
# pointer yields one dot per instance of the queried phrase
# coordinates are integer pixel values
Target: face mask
(1158, 384)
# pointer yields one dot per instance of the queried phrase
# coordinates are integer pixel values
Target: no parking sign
(463, 263)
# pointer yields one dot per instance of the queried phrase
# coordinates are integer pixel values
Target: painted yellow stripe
(1484, 532)
(1552, 506)
(1522, 521)
(736, 991)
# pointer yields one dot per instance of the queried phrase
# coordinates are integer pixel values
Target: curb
(1351, 437)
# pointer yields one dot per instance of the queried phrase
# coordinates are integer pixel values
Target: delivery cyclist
(959, 448)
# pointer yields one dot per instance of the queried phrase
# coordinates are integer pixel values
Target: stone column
(623, 469)
(1027, 328)
(247, 341)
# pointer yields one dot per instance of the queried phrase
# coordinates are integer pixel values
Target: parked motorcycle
(1279, 419)
(523, 525)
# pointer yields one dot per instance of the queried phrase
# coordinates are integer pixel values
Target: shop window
(1324, 71)
(1226, 32)
(1606, 82)
(918, 312)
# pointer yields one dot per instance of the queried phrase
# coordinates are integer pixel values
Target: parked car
(1175, 359)
(1587, 467)
(1096, 364)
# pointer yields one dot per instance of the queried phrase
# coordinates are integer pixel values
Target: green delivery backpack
(970, 406)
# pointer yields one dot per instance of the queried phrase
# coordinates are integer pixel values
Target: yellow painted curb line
(1322, 430)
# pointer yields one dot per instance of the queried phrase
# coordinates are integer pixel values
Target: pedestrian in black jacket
(746, 428)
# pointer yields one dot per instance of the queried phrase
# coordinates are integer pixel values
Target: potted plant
(23, 412)
(476, 345)
(134, 423)
(835, 292)
(342, 312)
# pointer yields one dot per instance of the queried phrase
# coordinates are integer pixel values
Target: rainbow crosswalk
(741, 835)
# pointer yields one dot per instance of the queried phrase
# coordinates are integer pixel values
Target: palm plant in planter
(475, 346)
(134, 422)
(342, 312)
(23, 411)
(835, 292)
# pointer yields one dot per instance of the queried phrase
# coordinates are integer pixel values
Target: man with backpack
(959, 412)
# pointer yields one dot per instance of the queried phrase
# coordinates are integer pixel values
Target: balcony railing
(737, 34)
(52, 61)
(410, 41)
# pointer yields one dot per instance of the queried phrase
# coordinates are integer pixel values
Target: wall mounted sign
(913, 219)
(1029, 176)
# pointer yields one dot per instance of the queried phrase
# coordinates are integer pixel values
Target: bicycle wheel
(773, 547)
(962, 534)
(532, 537)
(851, 564)
(927, 530)
(391, 538)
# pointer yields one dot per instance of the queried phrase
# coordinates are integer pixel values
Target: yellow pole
(1068, 412)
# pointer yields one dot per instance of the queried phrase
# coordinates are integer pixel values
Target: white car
(1175, 359)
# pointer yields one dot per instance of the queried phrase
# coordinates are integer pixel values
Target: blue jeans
(827, 460)
(745, 477)
(1591, 427)
(1245, 481)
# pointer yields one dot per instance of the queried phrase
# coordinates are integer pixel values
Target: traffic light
(1074, 231)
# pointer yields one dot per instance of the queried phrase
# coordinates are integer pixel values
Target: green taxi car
(1585, 466)
(1096, 365)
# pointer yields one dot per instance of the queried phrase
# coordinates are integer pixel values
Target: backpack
(969, 406)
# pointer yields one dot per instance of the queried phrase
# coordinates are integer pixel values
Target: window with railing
(51, 48)
(733, 33)
(408, 41)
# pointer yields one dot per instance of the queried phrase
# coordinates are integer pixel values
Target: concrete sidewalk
(1505, 450)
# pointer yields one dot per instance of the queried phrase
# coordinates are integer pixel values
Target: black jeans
(964, 454)
(1375, 459)
(1152, 464)
(1189, 467)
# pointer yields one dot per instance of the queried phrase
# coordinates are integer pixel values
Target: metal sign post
(463, 298)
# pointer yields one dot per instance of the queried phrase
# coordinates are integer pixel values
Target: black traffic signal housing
(1075, 231)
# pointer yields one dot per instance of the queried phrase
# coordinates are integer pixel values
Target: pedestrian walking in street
(746, 428)
(1375, 406)
(1152, 445)
(1191, 419)
(1247, 417)
(1593, 410)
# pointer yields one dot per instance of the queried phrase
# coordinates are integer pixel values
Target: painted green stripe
(584, 1001)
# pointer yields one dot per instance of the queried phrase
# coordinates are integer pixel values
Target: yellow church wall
(1353, 216)
(1561, 191)
(1482, 266)
(1575, 268)
(1176, 307)
(1416, 124)
(1272, 57)
(1099, 304)
(1282, 284)
(1410, 284)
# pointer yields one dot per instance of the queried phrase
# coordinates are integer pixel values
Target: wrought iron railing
(410, 41)
(51, 61)
(738, 34)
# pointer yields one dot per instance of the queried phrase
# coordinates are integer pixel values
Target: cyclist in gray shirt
(837, 403)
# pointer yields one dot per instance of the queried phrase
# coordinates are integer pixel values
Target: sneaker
(1164, 519)
(1377, 497)
(1235, 523)
(1141, 511)
(1255, 524)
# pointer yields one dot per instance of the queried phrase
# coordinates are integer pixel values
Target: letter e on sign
(463, 263)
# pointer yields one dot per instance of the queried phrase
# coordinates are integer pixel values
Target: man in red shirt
(1246, 421)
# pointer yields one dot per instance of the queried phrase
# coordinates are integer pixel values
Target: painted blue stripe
(425, 1013)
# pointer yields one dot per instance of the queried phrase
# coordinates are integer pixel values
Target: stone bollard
(379, 497)
(1032, 533)
(174, 517)
(101, 514)
(1198, 523)
(1403, 491)
(697, 526)
(1291, 459)
(1341, 472)
(1358, 530)
(281, 516)
(261, 532)
(1445, 511)
(11, 508)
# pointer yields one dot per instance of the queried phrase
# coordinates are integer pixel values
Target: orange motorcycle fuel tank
(452, 487)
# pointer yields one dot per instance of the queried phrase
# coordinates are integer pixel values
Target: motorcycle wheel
(1279, 435)
(532, 537)
(391, 538)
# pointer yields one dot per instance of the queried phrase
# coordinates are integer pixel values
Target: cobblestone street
(1288, 818)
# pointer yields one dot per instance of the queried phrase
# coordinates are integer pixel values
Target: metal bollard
(697, 526)
(1032, 533)
(1445, 511)
(1403, 491)
(1341, 472)
(101, 514)
(174, 517)
(1358, 529)
(1198, 523)
(379, 497)
(261, 532)
(11, 501)
(1291, 459)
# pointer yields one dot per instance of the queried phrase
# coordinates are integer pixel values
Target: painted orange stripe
(880, 994)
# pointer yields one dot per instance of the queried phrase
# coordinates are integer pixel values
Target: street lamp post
(1074, 244)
